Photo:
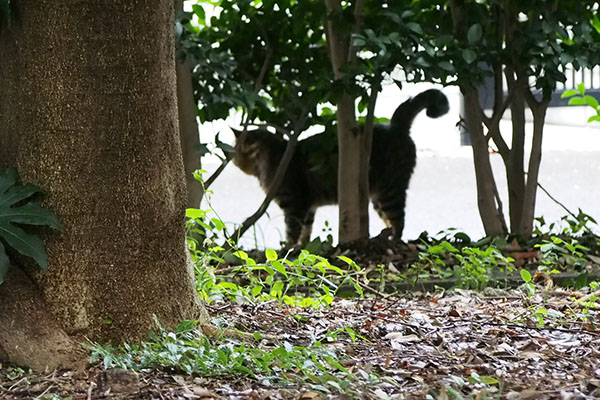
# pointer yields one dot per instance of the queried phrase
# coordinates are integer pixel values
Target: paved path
(441, 195)
(442, 191)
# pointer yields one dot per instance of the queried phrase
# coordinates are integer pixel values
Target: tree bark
(188, 129)
(533, 170)
(88, 112)
(29, 335)
(515, 172)
(487, 196)
(353, 189)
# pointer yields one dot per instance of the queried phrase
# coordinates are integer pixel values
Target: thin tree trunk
(487, 197)
(515, 172)
(188, 129)
(350, 145)
(533, 170)
(92, 119)
(352, 180)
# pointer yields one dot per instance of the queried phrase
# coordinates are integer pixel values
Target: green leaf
(445, 65)
(219, 225)
(195, 213)
(407, 14)
(17, 193)
(30, 214)
(591, 101)
(469, 55)
(577, 101)
(242, 255)
(200, 13)
(279, 267)
(569, 93)
(525, 275)
(474, 34)
(596, 23)
(25, 243)
(416, 28)
(581, 88)
(358, 41)
(594, 118)
(345, 259)
(488, 380)
(8, 179)
(271, 254)
(392, 16)
(256, 290)
(4, 263)
(277, 289)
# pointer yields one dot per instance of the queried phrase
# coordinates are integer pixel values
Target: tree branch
(556, 201)
(258, 84)
(493, 124)
(338, 47)
(216, 174)
(277, 179)
(358, 14)
(370, 118)
(278, 128)
(263, 71)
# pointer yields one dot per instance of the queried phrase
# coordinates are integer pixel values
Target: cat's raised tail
(433, 100)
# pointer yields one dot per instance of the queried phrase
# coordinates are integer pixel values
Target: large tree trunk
(353, 163)
(88, 112)
(188, 129)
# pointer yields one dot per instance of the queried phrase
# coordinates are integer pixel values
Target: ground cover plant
(292, 325)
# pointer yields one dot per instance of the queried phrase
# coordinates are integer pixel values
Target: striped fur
(310, 182)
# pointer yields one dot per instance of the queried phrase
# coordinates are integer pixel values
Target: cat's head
(247, 151)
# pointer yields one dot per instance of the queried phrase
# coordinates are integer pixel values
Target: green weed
(187, 350)
(472, 267)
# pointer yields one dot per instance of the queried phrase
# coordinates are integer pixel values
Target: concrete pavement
(442, 193)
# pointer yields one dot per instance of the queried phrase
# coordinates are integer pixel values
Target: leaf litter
(457, 344)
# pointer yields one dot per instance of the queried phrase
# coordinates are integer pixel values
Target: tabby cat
(305, 187)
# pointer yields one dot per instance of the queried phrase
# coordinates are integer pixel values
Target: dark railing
(589, 77)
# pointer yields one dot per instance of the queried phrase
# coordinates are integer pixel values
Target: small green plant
(590, 301)
(473, 267)
(17, 208)
(558, 251)
(578, 225)
(579, 98)
(481, 387)
(189, 351)
(477, 266)
(306, 281)
(526, 276)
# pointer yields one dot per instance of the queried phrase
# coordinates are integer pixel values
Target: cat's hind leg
(379, 211)
(307, 227)
(392, 210)
(298, 223)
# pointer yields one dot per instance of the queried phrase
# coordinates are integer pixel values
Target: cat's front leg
(293, 229)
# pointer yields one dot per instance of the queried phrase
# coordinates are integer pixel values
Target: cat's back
(318, 156)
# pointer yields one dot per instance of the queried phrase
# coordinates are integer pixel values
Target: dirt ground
(461, 344)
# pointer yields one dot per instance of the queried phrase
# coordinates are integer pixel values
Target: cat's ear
(236, 132)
